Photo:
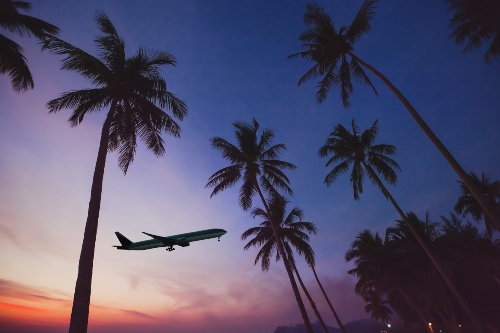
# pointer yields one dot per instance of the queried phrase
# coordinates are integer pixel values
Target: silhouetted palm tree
(255, 162)
(467, 203)
(12, 59)
(476, 21)
(134, 93)
(351, 148)
(376, 306)
(329, 49)
(290, 231)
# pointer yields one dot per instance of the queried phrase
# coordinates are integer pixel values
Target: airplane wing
(164, 240)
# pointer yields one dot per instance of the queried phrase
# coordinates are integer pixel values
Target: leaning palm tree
(290, 232)
(329, 49)
(294, 234)
(365, 157)
(134, 94)
(467, 203)
(12, 59)
(255, 162)
(476, 21)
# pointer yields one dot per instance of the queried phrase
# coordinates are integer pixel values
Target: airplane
(169, 242)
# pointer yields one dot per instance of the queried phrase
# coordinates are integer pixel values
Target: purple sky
(231, 67)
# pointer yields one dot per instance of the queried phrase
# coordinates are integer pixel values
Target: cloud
(16, 291)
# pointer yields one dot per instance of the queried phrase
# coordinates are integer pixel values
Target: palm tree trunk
(81, 299)
(440, 269)
(481, 199)
(281, 250)
(313, 305)
(328, 301)
(424, 322)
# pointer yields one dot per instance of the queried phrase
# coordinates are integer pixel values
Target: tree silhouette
(476, 21)
(12, 59)
(467, 203)
(359, 150)
(255, 162)
(329, 49)
(134, 93)
(293, 233)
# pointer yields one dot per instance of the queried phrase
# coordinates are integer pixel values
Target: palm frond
(13, 61)
(228, 150)
(360, 75)
(24, 25)
(224, 178)
(361, 23)
(336, 171)
(82, 101)
(79, 61)
(111, 47)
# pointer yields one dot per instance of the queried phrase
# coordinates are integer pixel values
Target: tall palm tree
(290, 232)
(293, 234)
(476, 21)
(467, 203)
(359, 150)
(12, 59)
(329, 49)
(255, 162)
(134, 94)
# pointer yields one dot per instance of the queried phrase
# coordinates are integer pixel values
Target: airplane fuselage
(169, 241)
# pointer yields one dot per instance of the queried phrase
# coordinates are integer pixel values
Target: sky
(231, 67)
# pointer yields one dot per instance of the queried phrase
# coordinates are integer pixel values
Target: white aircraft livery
(168, 242)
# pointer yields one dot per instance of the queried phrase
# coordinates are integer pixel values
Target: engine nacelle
(182, 242)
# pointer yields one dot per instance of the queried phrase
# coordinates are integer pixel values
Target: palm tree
(359, 150)
(12, 59)
(467, 203)
(134, 93)
(256, 162)
(329, 49)
(293, 234)
(376, 306)
(290, 232)
(476, 21)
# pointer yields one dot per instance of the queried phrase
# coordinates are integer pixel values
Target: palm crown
(476, 21)
(467, 203)
(329, 48)
(131, 87)
(255, 160)
(290, 227)
(358, 150)
(12, 59)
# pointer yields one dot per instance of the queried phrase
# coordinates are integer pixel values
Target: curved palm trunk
(481, 199)
(424, 322)
(81, 299)
(440, 269)
(313, 305)
(281, 250)
(328, 301)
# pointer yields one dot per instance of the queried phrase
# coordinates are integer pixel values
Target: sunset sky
(231, 67)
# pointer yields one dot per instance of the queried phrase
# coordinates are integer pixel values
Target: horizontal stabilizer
(164, 240)
(123, 240)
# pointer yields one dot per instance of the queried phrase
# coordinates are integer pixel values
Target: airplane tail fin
(123, 240)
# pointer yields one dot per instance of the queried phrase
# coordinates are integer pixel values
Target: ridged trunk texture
(81, 299)
(436, 263)
(281, 250)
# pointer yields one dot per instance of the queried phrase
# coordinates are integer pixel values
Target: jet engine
(182, 242)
